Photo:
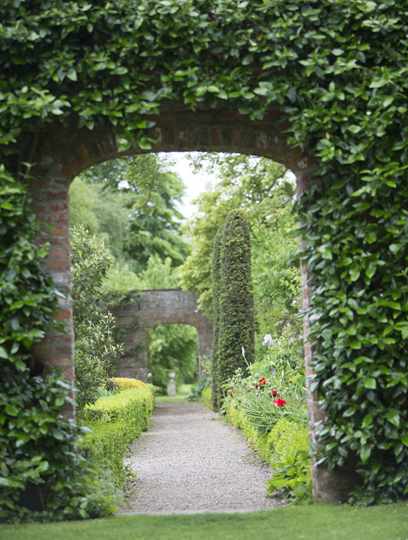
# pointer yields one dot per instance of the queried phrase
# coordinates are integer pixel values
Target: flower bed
(275, 425)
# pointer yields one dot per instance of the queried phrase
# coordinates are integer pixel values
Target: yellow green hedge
(124, 383)
(286, 448)
(115, 421)
(206, 397)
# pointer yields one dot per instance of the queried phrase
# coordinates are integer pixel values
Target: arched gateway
(80, 78)
(143, 310)
(60, 152)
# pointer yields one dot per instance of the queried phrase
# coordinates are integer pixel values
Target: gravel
(191, 461)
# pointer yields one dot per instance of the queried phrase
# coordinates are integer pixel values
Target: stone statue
(171, 385)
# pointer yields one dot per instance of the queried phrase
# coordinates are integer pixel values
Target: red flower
(274, 392)
(262, 381)
(280, 402)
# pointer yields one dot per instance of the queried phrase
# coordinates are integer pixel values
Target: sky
(195, 182)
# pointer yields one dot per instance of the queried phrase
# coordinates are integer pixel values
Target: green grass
(317, 522)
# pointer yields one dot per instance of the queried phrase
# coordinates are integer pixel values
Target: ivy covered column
(328, 485)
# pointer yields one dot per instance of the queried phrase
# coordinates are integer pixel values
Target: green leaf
(404, 440)
(393, 417)
(365, 453)
(72, 74)
(395, 248)
(370, 382)
(213, 89)
(11, 409)
(354, 273)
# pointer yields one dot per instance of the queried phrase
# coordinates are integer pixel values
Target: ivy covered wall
(337, 73)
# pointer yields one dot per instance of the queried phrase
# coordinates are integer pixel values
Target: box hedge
(115, 421)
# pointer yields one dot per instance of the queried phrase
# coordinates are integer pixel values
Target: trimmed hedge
(115, 421)
(216, 286)
(123, 383)
(235, 319)
(207, 398)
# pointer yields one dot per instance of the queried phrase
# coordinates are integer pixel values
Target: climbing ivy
(338, 71)
(235, 322)
(358, 246)
(38, 446)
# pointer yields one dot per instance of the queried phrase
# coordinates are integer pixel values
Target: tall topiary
(236, 325)
(216, 286)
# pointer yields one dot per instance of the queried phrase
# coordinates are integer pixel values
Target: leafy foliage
(216, 289)
(39, 452)
(115, 421)
(173, 348)
(258, 187)
(338, 71)
(96, 349)
(235, 346)
(155, 227)
(285, 447)
(359, 322)
(135, 202)
(290, 460)
(32, 402)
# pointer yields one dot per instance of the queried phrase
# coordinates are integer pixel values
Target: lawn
(317, 522)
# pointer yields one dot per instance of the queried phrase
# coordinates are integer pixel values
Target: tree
(258, 186)
(96, 349)
(155, 221)
(235, 317)
(136, 205)
(265, 194)
(100, 211)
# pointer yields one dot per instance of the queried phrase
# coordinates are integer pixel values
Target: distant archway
(141, 311)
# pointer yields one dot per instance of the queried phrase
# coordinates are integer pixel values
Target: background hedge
(216, 314)
(235, 320)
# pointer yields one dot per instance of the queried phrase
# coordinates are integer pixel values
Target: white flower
(123, 184)
(267, 340)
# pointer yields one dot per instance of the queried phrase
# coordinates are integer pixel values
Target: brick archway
(61, 152)
(142, 311)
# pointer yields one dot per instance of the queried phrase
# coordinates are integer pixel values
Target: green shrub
(286, 448)
(258, 441)
(206, 397)
(289, 446)
(115, 421)
(96, 349)
(236, 324)
(125, 383)
(216, 314)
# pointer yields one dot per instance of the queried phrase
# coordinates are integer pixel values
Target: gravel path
(191, 461)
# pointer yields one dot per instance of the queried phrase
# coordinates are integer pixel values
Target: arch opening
(173, 357)
(63, 152)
